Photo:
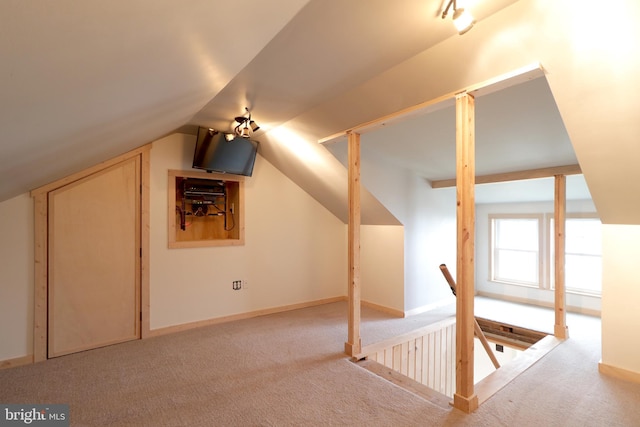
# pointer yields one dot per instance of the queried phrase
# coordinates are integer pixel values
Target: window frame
(550, 250)
(545, 250)
(539, 218)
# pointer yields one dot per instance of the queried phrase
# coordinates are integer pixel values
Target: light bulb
(463, 20)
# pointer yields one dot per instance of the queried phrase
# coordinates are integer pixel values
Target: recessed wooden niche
(205, 209)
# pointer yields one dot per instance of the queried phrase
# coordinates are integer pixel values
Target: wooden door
(94, 260)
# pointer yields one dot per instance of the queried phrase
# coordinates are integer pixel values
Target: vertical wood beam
(559, 215)
(145, 233)
(465, 398)
(40, 277)
(354, 343)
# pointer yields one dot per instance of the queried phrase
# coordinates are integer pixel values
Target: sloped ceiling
(517, 128)
(82, 82)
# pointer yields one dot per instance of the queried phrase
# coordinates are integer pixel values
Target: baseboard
(384, 309)
(572, 309)
(620, 373)
(18, 361)
(241, 316)
(428, 307)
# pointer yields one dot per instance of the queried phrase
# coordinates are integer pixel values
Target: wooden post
(41, 271)
(559, 214)
(465, 398)
(354, 344)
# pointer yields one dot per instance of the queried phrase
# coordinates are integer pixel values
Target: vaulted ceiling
(82, 82)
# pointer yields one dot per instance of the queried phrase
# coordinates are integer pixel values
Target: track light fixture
(462, 19)
(245, 126)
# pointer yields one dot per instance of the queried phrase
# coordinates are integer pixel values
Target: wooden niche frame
(218, 220)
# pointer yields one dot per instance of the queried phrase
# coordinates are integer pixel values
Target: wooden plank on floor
(510, 334)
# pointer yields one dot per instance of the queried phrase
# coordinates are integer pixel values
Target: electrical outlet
(245, 284)
(236, 285)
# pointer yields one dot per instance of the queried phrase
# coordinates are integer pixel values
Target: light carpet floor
(289, 369)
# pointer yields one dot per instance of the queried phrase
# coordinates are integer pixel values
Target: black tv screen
(214, 153)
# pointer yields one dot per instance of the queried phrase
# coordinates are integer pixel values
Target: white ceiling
(82, 82)
(517, 128)
(85, 81)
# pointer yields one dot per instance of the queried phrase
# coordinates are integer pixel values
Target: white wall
(382, 265)
(295, 252)
(513, 292)
(295, 249)
(620, 297)
(16, 280)
(430, 241)
(429, 220)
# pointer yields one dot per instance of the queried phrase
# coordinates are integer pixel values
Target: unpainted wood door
(94, 260)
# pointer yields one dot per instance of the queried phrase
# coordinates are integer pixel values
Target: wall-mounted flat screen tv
(214, 153)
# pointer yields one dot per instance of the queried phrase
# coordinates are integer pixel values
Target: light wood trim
(619, 373)
(392, 311)
(354, 341)
(559, 214)
(495, 381)
(138, 231)
(464, 398)
(145, 233)
(384, 120)
(41, 272)
(15, 362)
(510, 335)
(41, 267)
(241, 316)
(91, 170)
(124, 177)
(504, 80)
(514, 176)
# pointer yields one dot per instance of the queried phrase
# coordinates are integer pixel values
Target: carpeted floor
(289, 369)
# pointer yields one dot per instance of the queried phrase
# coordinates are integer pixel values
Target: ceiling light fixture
(245, 126)
(462, 19)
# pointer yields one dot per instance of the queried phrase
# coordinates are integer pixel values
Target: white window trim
(545, 263)
(550, 278)
(540, 219)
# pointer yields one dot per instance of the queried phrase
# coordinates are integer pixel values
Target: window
(583, 255)
(522, 251)
(516, 250)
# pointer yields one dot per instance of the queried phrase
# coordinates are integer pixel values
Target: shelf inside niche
(205, 209)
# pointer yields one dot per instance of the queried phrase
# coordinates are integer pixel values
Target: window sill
(534, 286)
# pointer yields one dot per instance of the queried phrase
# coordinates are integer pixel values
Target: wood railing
(426, 355)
